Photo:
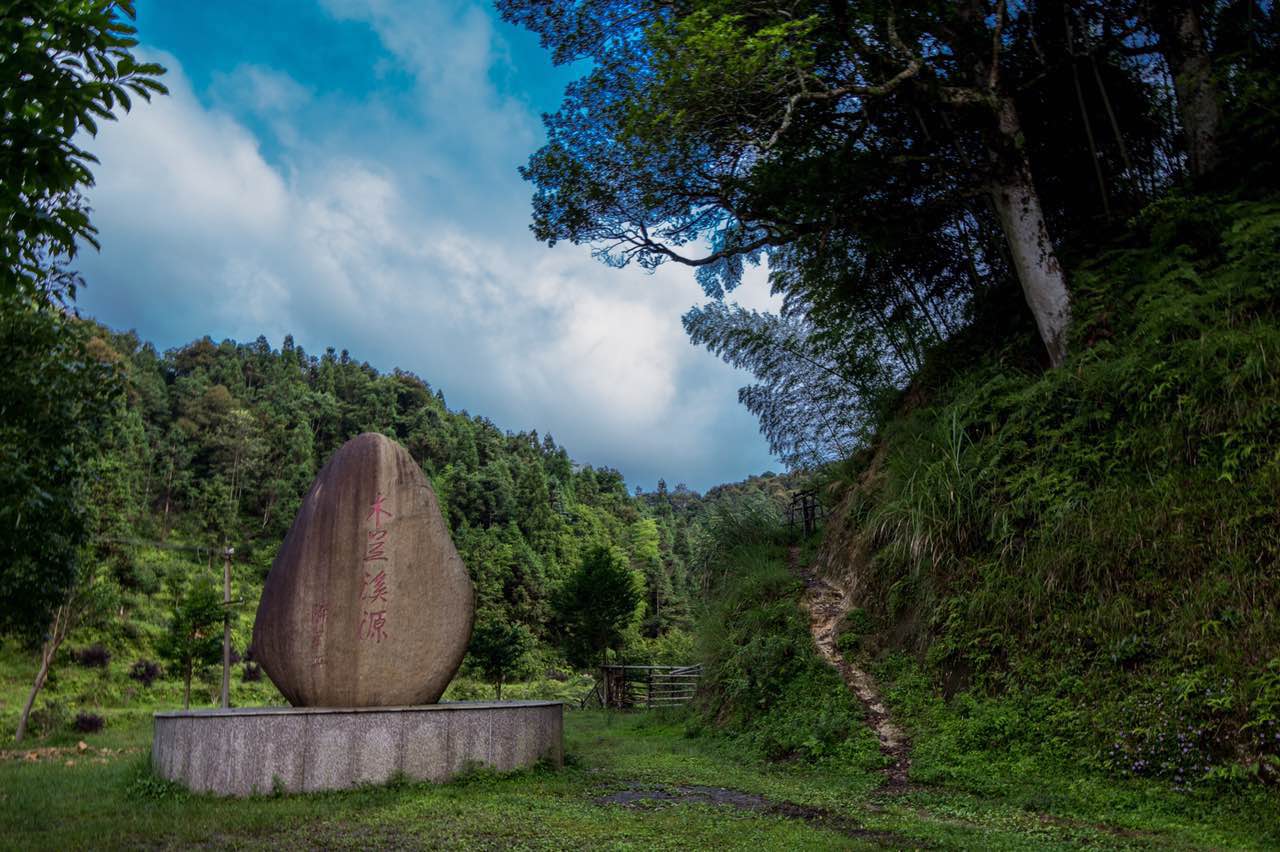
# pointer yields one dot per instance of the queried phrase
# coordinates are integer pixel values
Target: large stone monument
(364, 620)
(368, 603)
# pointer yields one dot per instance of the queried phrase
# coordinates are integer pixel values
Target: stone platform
(242, 751)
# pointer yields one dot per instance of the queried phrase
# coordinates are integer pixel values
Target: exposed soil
(639, 797)
(65, 753)
(827, 605)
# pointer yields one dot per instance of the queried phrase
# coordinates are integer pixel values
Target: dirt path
(827, 605)
(643, 796)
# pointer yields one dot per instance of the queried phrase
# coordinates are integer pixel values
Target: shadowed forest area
(1027, 356)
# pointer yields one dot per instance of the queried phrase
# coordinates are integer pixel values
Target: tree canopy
(67, 65)
(60, 400)
(192, 641)
(597, 604)
(901, 166)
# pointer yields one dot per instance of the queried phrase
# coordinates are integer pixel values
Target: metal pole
(227, 552)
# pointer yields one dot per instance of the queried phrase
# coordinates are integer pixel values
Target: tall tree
(66, 65)
(1179, 25)
(597, 605)
(57, 404)
(747, 127)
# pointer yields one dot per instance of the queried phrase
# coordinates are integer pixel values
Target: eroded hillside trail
(827, 605)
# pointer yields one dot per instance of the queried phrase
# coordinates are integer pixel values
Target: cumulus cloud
(203, 235)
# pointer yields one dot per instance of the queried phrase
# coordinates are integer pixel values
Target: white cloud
(451, 49)
(201, 235)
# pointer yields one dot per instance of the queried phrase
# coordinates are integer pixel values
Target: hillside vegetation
(1083, 561)
(214, 444)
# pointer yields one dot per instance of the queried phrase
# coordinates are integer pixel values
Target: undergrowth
(764, 684)
(1101, 540)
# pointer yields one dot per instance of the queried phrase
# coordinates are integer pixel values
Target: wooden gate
(628, 687)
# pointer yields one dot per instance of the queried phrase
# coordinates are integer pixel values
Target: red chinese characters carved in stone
(375, 587)
(377, 512)
(319, 620)
(375, 550)
(373, 625)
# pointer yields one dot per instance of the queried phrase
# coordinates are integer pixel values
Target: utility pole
(227, 552)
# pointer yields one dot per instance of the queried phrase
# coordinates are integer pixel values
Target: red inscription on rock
(372, 625)
(374, 589)
(377, 512)
(375, 550)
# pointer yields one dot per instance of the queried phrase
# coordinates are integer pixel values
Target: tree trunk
(168, 492)
(45, 659)
(57, 632)
(186, 690)
(266, 511)
(497, 689)
(31, 697)
(226, 625)
(1183, 46)
(1034, 260)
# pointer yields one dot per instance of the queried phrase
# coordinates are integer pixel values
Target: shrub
(49, 718)
(94, 657)
(764, 682)
(145, 672)
(88, 723)
(857, 624)
(136, 576)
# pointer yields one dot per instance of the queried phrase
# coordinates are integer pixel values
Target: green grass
(50, 805)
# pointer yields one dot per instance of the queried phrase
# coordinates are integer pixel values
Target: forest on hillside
(210, 446)
(218, 444)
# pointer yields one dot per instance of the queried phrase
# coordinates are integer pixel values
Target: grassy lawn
(102, 797)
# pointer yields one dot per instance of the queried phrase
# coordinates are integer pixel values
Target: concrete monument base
(242, 751)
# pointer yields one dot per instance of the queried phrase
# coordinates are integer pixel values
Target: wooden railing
(628, 687)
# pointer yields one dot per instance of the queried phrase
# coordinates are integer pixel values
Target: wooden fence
(629, 687)
(806, 508)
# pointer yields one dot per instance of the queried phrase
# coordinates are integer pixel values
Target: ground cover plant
(632, 781)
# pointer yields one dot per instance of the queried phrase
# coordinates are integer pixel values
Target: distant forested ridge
(217, 443)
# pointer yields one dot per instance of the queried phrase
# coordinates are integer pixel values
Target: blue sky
(345, 171)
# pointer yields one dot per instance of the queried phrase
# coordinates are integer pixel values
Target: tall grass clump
(749, 520)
